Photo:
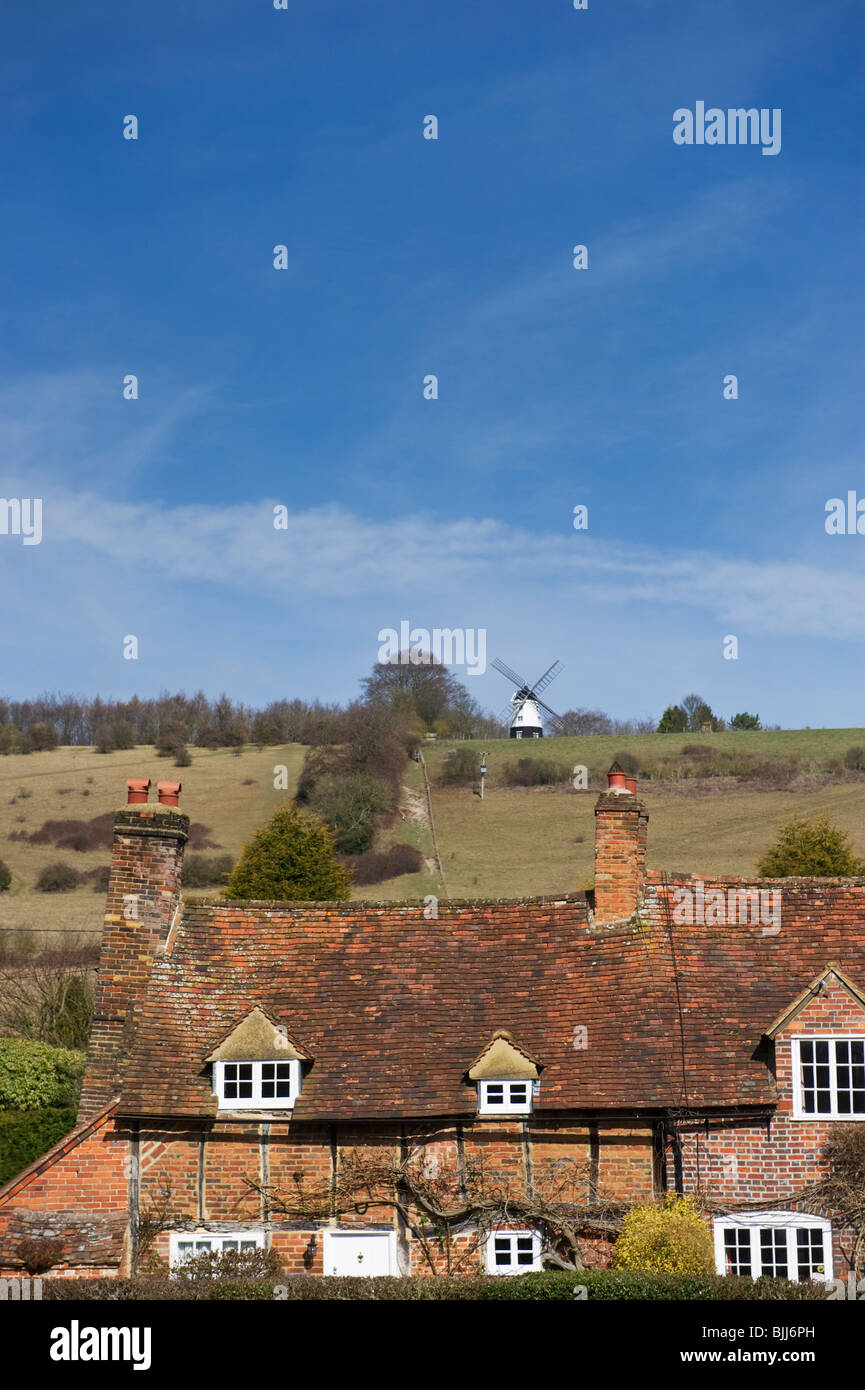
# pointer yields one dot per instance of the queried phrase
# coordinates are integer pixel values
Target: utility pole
(483, 772)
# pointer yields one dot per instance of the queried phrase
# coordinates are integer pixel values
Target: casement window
(505, 1097)
(779, 1244)
(256, 1085)
(186, 1247)
(829, 1078)
(513, 1252)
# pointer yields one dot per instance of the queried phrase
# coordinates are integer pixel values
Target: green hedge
(25, 1134)
(553, 1286)
(36, 1076)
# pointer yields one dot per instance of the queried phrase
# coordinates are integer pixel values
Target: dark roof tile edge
(359, 905)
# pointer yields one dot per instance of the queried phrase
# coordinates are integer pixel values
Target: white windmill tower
(523, 716)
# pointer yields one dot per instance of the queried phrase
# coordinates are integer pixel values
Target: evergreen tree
(291, 859)
(810, 848)
(745, 721)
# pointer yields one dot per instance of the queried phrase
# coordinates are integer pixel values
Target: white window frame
(507, 1107)
(799, 1111)
(513, 1236)
(791, 1221)
(217, 1240)
(256, 1101)
(332, 1239)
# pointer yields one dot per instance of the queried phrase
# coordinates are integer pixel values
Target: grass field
(232, 795)
(517, 841)
(540, 840)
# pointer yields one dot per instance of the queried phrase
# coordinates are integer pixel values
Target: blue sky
(406, 257)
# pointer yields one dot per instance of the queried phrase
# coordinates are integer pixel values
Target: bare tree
(449, 1208)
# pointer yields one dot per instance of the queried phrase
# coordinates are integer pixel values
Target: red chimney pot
(631, 784)
(168, 792)
(136, 790)
(617, 778)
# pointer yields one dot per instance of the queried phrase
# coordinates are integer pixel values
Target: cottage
(321, 1078)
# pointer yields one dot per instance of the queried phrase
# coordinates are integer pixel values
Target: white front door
(360, 1252)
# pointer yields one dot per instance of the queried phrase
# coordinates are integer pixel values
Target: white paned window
(780, 1244)
(829, 1078)
(256, 1085)
(504, 1097)
(513, 1252)
(186, 1247)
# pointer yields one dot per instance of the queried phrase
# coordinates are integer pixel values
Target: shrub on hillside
(745, 721)
(5, 876)
(809, 848)
(202, 871)
(534, 772)
(35, 1076)
(350, 803)
(377, 866)
(57, 878)
(113, 735)
(80, 835)
(44, 737)
(291, 859)
(461, 768)
(854, 758)
(172, 735)
(85, 836)
(99, 878)
(672, 1239)
(674, 720)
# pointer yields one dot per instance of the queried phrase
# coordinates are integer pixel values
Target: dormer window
(256, 1085)
(257, 1066)
(504, 1097)
(506, 1075)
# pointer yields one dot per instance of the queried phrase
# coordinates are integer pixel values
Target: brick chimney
(621, 825)
(143, 896)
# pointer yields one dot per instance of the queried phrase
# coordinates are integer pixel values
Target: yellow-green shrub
(668, 1239)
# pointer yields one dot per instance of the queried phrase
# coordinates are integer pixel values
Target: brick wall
(143, 895)
(771, 1161)
(621, 826)
(195, 1176)
(76, 1178)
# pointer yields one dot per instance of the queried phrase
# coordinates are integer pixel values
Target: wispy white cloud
(335, 555)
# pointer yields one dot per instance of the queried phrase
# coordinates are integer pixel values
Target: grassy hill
(231, 795)
(710, 813)
(540, 840)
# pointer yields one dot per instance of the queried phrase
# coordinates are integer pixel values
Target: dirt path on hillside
(413, 806)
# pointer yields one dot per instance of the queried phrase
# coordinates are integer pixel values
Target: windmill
(523, 715)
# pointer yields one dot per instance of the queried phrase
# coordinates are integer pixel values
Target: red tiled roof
(394, 1007)
(88, 1238)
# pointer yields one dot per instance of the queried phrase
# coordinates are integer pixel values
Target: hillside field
(521, 841)
(516, 842)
